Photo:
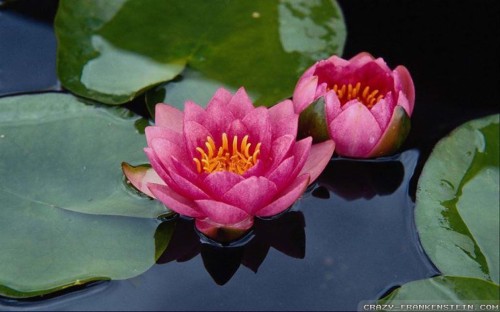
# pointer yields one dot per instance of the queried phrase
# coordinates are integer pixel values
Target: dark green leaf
(113, 50)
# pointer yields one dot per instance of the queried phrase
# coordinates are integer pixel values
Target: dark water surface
(352, 237)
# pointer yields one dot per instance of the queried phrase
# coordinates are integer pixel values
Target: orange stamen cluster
(348, 92)
(214, 158)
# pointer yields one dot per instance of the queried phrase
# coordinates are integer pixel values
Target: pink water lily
(228, 163)
(367, 105)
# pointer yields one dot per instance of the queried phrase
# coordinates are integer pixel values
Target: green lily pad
(57, 151)
(66, 215)
(457, 206)
(444, 290)
(113, 50)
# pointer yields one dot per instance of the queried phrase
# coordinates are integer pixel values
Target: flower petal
(164, 149)
(404, 83)
(361, 59)
(286, 198)
(219, 114)
(186, 169)
(318, 159)
(220, 212)
(186, 188)
(240, 104)
(301, 151)
(210, 228)
(157, 165)
(140, 176)
(195, 135)
(333, 107)
(281, 174)
(283, 119)
(220, 99)
(394, 134)
(382, 111)
(304, 93)
(258, 124)
(280, 149)
(355, 131)
(218, 183)
(169, 117)
(154, 132)
(251, 194)
(174, 201)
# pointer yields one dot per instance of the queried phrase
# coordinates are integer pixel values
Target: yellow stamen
(214, 158)
(349, 92)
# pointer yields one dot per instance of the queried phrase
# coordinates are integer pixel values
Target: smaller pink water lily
(367, 105)
(228, 163)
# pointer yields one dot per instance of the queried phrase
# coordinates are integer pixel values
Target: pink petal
(195, 136)
(164, 149)
(220, 99)
(382, 111)
(210, 228)
(169, 117)
(251, 194)
(361, 59)
(394, 135)
(382, 64)
(165, 174)
(194, 112)
(236, 128)
(337, 61)
(240, 104)
(174, 201)
(258, 124)
(333, 107)
(187, 169)
(404, 82)
(304, 93)
(280, 149)
(286, 198)
(301, 152)
(140, 176)
(220, 212)
(186, 188)
(218, 183)
(219, 114)
(281, 174)
(157, 164)
(154, 132)
(355, 131)
(318, 159)
(283, 119)
(375, 76)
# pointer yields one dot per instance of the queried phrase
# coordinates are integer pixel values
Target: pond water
(352, 236)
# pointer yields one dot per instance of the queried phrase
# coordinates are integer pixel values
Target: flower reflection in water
(284, 233)
(352, 179)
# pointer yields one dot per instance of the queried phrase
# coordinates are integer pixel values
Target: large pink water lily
(227, 163)
(367, 105)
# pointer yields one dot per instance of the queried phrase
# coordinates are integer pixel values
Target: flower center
(348, 92)
(238, 160)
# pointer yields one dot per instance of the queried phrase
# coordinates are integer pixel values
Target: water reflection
(359, 178)
(285, 234)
